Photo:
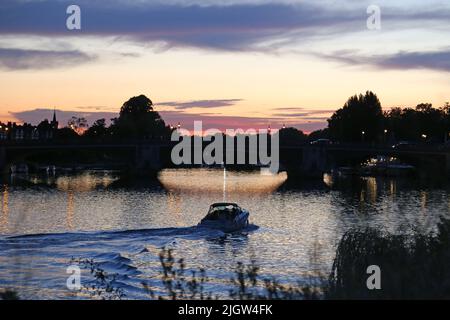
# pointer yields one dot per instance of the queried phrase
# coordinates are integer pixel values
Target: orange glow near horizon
(267, 86)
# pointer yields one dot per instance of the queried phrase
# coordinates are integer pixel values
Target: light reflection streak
(4, 221)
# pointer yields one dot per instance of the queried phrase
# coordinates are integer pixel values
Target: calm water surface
(45, 221)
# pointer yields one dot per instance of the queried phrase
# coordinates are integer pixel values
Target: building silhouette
(44, 131)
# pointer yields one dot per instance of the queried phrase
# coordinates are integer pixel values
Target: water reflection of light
(5, 210)
(84, 182)
(393, 188)
(174, 206)
(373, 189)
(328, 180)
(423, 201)
(195, 181)
(224, 184)
(70, 209)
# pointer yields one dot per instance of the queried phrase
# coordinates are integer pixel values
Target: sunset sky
(235, 63)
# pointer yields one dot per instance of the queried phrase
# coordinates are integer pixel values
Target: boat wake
(37, 263)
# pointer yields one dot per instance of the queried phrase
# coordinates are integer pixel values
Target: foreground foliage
(416, 267)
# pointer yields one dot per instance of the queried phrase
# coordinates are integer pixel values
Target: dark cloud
(438, 60)
(17, 59)
(216, 103)
(230, 27)
(237, 27)
(264, 26)
(403, 60)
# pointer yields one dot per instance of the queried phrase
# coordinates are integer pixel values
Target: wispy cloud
(403, 60)
(437, 60)
(215, 103)
(299, 112)
(18, 59)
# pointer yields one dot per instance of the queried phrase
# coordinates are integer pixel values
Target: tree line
(361, 119)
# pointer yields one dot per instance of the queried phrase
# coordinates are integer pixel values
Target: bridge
(313, 161)
(139, 156)
(305, 160)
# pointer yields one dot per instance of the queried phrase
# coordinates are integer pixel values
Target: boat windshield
(223, 210)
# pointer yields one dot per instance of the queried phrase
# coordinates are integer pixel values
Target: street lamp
(362, 135)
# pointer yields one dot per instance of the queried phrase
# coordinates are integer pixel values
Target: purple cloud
(235, 27)
(17, 59)
(210, 120)
(231, 27)
(403, 60)
(216, 103)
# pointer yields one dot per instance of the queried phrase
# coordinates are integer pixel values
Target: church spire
(54, 123)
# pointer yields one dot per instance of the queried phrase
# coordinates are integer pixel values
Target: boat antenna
(224, 184)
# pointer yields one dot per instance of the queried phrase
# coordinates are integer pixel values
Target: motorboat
(386, 166)
(225, 216)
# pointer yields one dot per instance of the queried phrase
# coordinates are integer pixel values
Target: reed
(412, 267)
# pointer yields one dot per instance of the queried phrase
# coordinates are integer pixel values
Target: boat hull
(238, 223)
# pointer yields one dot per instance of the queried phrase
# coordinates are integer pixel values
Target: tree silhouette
(415, 123)
(319, 134)
(77, 124)
(136, 106)
(97, 130)
(361, 119)
(138, 120)
(291, 136)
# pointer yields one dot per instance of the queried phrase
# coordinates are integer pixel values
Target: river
(122, 224)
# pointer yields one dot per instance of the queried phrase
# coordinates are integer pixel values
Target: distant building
(54, 123)
(45, 130)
